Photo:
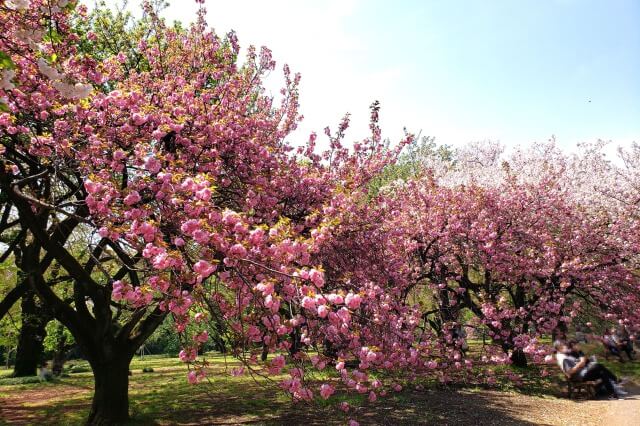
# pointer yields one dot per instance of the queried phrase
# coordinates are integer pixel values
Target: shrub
(79, 369)
(21, 380)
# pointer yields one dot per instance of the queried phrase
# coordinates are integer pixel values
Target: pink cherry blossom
(352, 301)
(326, 390)
(204, 268)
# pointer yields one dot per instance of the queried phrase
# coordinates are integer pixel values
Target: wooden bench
(575, 387)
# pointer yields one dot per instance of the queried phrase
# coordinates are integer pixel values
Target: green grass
(162, 396)
(627, 369)
(21, 380)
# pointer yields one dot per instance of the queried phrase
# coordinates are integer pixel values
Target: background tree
(514, 246)
(57, 343)
(9, 323)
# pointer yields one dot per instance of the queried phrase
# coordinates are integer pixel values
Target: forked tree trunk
(111, 393)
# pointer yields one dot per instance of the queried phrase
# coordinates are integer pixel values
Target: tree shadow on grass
(174, 403)
(433, 407)
(441, 407)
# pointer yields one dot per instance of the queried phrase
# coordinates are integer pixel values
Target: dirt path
(29, 406)
(625, 412)
(565, 412)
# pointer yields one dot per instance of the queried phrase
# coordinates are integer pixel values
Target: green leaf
(6, 62)
(52, 36)
(4, 107)
(70, 7)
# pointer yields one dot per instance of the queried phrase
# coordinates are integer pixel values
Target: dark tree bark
(30, 352)
(111, 393)
(329, 350)
(11, 298)
(296, 342)
(34, 315)
(220, 345)
(109, 355)
(57, 363)
(519, 358)
(218, 340)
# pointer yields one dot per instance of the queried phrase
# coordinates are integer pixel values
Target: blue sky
(516, 71)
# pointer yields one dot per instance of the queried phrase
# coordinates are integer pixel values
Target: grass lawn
(164, 397)
(159, 397)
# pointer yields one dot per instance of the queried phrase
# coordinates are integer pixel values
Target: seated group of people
(617, 341)
(578, 367)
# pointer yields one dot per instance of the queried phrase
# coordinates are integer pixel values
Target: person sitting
(622, 339)
(559, 335)
(45, 374)
(581, 336)
(583, 369)
(459, 335)
(610, 345)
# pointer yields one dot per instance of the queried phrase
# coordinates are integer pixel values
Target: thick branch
(147, 327)
(12, 297)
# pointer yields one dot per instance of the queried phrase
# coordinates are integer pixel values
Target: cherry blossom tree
(516, 247)
(166, 172)
(177, 177)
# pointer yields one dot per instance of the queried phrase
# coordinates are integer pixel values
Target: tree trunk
(9, 350)
(220, 345)
(57, 364)
(296, 342)
(29, 354)
(60, 351)
(519, 358)
(329, 350)
(111, 394)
